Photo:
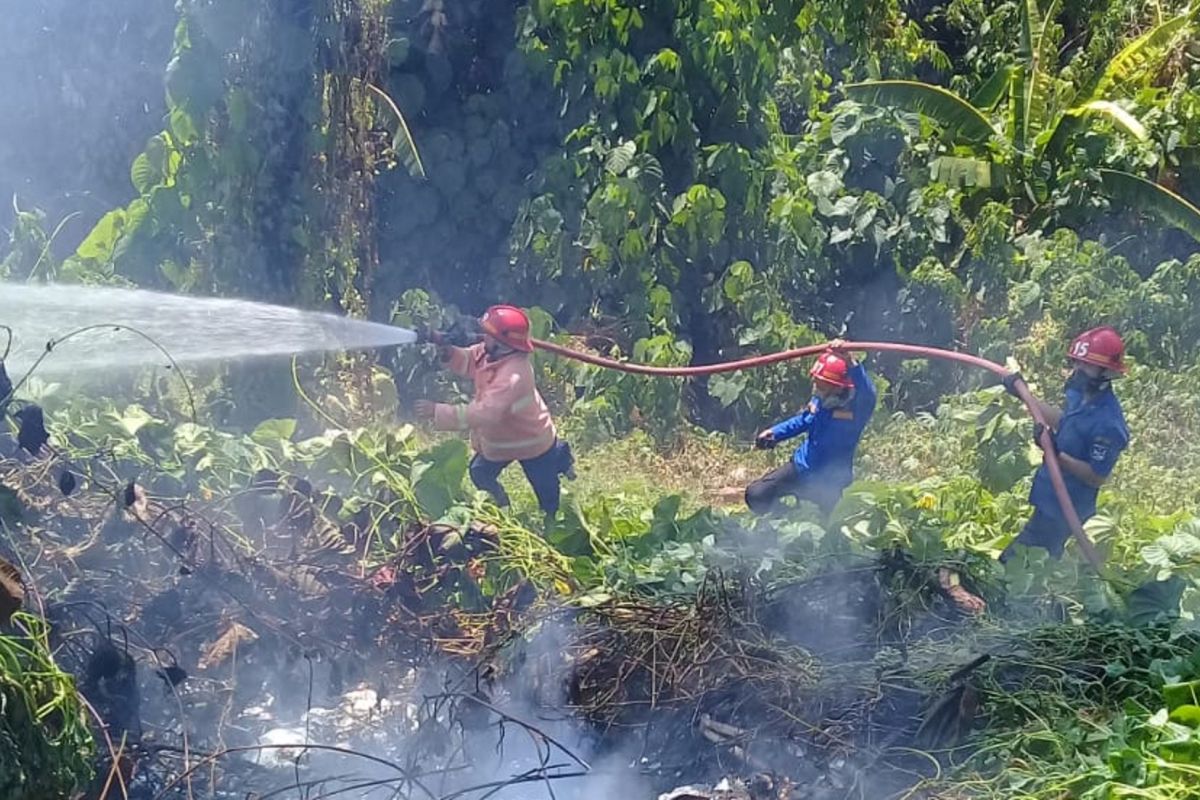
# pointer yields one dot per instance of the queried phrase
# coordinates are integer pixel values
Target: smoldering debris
(246, 644)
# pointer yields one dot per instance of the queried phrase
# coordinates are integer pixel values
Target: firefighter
(507, 419)
(1089, 433)
(833, 422)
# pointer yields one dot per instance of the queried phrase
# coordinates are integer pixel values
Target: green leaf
(1138, 57)
(951, 112)
(1155, 602)
(1117, 115)
(844, 126)
(437, 476)
(727, 387)
(402, 141)
(100, 245)
(1181, 694)
(273, 431)
(1040, 59)
(133, 419)
(1146, 196)
(1070, 121)
(989, 94)
(1186, 714)
(620, 157)
(824, 183)
(143, 175)
(964, 172)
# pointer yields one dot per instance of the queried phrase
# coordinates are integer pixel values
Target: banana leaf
(1148, 197)
(951, 112)
(402, 141)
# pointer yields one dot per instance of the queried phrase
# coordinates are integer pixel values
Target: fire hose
(1053, 468)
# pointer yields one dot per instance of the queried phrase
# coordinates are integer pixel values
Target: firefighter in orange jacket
(507, 420)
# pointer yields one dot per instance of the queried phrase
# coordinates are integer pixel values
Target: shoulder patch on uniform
(1100, 449)
(843, 413)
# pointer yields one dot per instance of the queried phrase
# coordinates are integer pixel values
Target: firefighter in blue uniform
(833, 421)
(1089, 434)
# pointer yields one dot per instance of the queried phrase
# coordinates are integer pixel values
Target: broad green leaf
(951, 112)
(1070, 121)
(989, 94)
(1186, 714)
(143, 175)
(132, 419)
(964, 172)
(727, 387)
(620, 157)
(437, 476)
(1040, 60)
(824, 183)
(1016, 108)
(1146, 196)
(1181, 694)
(845, 125)
(1138, 57)
(273, 431)
(1171, 550)
(1155, 602)
(101, 242)
(402, 141)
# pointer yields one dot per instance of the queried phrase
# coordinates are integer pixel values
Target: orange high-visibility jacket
(507, 419)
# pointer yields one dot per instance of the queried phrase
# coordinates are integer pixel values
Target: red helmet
(510, 325)
(1100, 346)
(832, 368)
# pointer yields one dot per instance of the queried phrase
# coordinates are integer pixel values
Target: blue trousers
(1042, 530)
(763, 494)
(542, 473)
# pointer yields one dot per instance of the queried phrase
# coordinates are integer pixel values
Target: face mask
(495, 349)
(1081, 381)
(836, 400)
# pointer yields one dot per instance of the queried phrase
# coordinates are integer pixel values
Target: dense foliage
(45, 745)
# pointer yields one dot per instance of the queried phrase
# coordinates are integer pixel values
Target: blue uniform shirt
(833, 433)
(1093, 432)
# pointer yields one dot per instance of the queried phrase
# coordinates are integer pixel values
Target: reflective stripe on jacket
(507, 419)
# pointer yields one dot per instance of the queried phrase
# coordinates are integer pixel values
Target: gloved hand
(424, 410)
(1010, 381)
(464, 332)
(765, 440)
(1038, 428)
(429, 335)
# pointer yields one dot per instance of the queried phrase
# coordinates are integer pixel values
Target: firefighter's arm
(448, 417)
(462, 360)
(1103, 450)
(1052, 414)
(1082, 470)
(838, 347)
(791, 428)
(490, 409)
(865, 395)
